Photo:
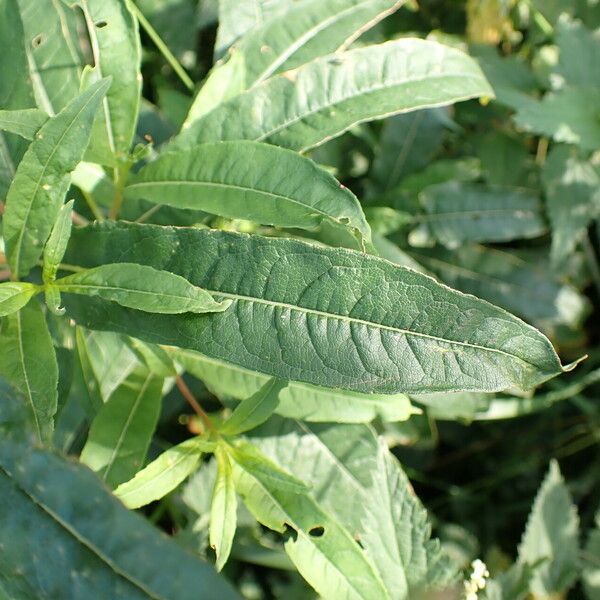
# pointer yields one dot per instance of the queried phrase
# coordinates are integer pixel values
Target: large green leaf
(123, 428)
(297, 400)
(303, 108)
(355, 479)
(100, 550)
(15, 295)
(579, 53)
(543, 539)
(325, 316)
(28, 363)
(24, 123)
(250, 180)
(117, 53)
(43, 178)
(470, 212)
(323, 551)
(289, 39)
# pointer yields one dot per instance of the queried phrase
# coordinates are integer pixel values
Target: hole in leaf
(357, 540)
(38, 40)
(316, 531)
(289, 533)
(101, 24)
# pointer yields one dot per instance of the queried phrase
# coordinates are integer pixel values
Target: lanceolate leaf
(43, 178)
(28, 363)
(250, 180)
(24, 122)
(297, 400)
(141, 287)
(292, 38)
(49, 501)
(123, 428)
(15, 295)
(323, 551)
(303, 108)
(325, 316)
(56, 245)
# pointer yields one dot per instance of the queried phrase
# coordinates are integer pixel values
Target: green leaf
(117, 53)
(542, 539)
(255, 410)
(121, 432)
(43, 178)
(355, 479)
(56, 246)
(52, 501)
(326, 316)
(28, 363)
(14, 295)
(25, 122)
(16, 421)
(243, 180)
(591, 562)
(579, 53)
(292, 37)
(463, 212)
(297, 400)
(223, 510)
(141, 287)
(323, 551)
(303, 108)
(572, 197)
(163, 474)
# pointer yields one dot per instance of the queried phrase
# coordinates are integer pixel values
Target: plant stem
(121, 174)
(187, 394)
(163, 48)
(78, 219)
(98, 214)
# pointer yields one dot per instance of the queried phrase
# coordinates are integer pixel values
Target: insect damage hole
(101, 24)
(38, 40)
(316, 531)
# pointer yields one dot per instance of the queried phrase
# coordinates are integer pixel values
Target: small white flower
(477, 580)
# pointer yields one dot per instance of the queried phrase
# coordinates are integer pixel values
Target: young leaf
(323, 551)
(243, 180)
(43, 178)
(117, 53)
(25, 122)
(462, 212)
(121, 432)
(163, 474)
(255, 410)
(55, 247)
(558, 547)
(326, 316)
(141, 287)
(52, 501)
(297, 400)
(14, 295)
(28, 363)
(316, 102)
(223, 510)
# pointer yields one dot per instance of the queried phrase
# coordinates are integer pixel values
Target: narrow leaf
(55, 247)
(243, 180)
(50, 501)
(303, 108)
(255, 410)
(28, 363)
(223, 510)
(141, 287)
(326, 316)
(163, 474)
(43, 178)
(14, 295)
(25, 122)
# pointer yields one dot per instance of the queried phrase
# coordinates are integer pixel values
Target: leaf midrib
(461, 214)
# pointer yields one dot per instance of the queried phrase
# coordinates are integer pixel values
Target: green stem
(98, 214)
(121, 174)
(163, 48)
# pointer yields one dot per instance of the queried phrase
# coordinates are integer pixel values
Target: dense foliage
(303, 292)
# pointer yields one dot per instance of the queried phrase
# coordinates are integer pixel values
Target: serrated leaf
(117, 53)
(25, 122)
(255, 410)
(303, 108)
(51, 501)
(243, 180)
(558, 547)
(14, 295)
(322, 550)
(293, 36)
(141, 287)
(461, 212)
(43, 178)
(346, 320)
(28, 363)
(223, 510)
(121, 432)
(163, 474)
(297, 400)
(56, 246)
